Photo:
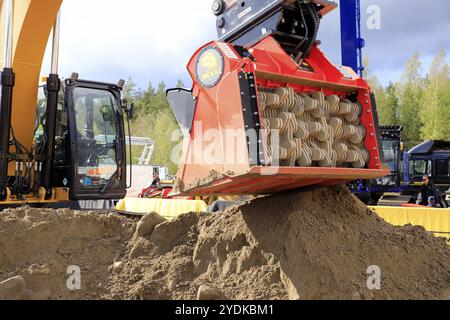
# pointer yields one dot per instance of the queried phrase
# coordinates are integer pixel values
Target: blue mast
(351, 40)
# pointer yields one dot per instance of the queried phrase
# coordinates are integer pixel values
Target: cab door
(98, 150)
(441, 171)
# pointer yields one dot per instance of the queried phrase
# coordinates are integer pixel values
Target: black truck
(430, 158)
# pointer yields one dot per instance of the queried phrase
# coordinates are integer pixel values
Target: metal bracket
(252, 119)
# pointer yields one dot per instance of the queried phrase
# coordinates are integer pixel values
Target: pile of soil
(41, 244)
(311, 244)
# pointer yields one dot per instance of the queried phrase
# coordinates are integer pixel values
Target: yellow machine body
(33, 22)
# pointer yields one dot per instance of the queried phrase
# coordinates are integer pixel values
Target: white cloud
(146, 39)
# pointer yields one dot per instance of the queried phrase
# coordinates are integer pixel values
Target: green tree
(129, 89)
(446, 115)
(410, 91)
(180, 84)
(145, 103)
(386, 98)
(162, 132)
(380, 96)
(388, 111)
(435, 104)
(154, 119)
(160, 101)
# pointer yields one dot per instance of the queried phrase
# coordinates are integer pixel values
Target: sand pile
(40, 246)
(315, 244)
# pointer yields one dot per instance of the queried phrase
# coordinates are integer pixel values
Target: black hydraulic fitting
(219, 7)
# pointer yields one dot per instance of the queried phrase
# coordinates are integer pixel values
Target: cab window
(97, 135)
(421, 168)
(391, 149)
(442, 168)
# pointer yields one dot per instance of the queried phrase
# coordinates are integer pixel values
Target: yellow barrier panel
(169, 209)
(433, 220)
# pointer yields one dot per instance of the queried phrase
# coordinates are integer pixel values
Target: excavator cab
(90, 150)
(268, 112)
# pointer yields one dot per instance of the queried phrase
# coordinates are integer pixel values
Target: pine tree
(180, 84)
(148, 94)
(129, 90)
(160, 101)
(389, 111)
(380, 98)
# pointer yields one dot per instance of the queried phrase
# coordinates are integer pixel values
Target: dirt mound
(41, 245)
(314, 244)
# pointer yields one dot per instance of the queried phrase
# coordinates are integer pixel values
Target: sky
(149, 41)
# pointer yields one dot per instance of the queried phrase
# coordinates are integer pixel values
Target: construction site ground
(317, 243)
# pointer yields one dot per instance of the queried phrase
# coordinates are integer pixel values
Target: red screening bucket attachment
(257, 123)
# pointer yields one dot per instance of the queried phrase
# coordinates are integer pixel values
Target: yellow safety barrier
(433, 220)
(169, 209)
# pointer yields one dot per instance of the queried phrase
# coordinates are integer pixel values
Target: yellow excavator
(71, 146)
